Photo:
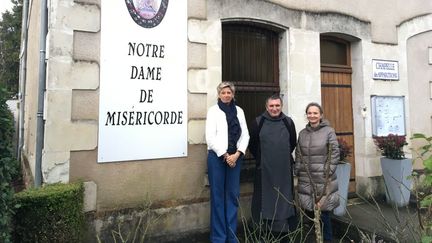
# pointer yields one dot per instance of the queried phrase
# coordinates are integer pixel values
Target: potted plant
(345, 151)
(395, 167)
(343, 173)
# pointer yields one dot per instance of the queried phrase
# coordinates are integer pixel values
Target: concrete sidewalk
(374, 221)
(371, 222)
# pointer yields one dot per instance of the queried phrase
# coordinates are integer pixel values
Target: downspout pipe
(40, 124)
(22, 78)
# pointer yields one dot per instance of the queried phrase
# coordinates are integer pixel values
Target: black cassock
(272, 148)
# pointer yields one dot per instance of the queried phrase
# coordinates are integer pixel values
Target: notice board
(388, 115)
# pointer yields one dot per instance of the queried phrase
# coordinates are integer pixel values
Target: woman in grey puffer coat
(317, 155)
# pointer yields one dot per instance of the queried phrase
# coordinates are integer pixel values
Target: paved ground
(377, 220)
(363, 222)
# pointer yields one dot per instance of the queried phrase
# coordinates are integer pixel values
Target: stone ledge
(86, 46)
(196, 131)
(60, 45)
(85, 17)
(197, 55)
(197, 81)
(197, 9)
(58, 106)
(89, 135)
(197, 31)
(197, 108)
(67, 74)
(62, 135)
(85, 105)
(181, 223)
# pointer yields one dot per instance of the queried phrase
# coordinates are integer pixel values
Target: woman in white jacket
(227, 138)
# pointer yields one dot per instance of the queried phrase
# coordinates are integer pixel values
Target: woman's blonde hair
(224, 85)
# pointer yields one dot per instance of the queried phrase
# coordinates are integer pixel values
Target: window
(250, 60)
(334, 51)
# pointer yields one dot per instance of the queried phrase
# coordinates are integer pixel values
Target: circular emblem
(147, 13)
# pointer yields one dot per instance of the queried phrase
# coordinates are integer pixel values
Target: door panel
(336, 95)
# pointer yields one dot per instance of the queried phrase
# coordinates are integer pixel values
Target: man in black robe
(273, 139)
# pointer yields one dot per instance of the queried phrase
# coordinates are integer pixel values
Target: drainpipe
(41, 93)
(22, 78)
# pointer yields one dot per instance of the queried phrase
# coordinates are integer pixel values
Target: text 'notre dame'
(149, 51)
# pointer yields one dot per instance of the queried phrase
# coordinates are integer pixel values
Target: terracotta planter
(343, 172)
(398, 186)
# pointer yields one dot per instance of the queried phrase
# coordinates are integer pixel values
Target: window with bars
(250, 60)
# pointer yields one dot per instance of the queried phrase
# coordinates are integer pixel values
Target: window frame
(337, 67)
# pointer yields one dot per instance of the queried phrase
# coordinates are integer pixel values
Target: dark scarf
(234, 129)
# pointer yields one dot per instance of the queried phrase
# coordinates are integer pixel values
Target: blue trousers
(224, 195)
(327, 226)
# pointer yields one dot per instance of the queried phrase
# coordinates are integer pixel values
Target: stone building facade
(394, 30)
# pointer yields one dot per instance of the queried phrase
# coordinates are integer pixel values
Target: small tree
(10, 35)
(317, 195)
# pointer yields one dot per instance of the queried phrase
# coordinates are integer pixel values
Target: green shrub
(53, 213)
(424, 196)
(8, 167)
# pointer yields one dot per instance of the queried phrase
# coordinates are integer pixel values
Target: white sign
(385, 70)
(143, 80)
(388, 115)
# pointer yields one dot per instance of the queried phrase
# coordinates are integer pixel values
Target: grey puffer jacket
(311, 156)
